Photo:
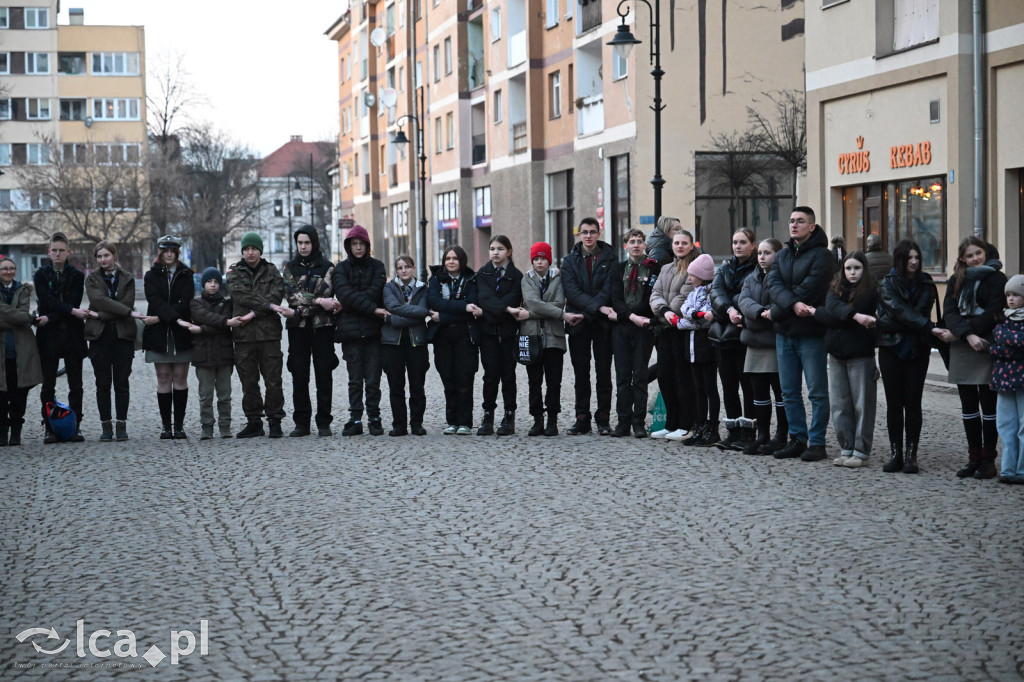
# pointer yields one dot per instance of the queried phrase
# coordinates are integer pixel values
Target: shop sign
(449, 224)
(907, 155)
(855, 162)
(482, 221)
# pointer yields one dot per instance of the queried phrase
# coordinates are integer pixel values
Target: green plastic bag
(659, 414)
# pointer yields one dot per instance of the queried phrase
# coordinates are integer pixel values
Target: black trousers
(112, 364)
(499, 361)
(674, 379)
(903, 381)
(730, 368)
(398, 361)
(363, 363)
(588, 339)
(456, 359)
(548, 370)
(305, 346)
(14, 399)
(49, 362)
(632, 348)
(706, 384)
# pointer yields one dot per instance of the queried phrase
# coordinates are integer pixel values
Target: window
(5, 62)
(482, 207)
(419, 75)
(5, 154)
(437, 63)
(398, 242)
(446, 211)
(5, 17)
(75, 153)
(37, 17)
(341, 70)
(620, 66)
(401, 79)
(568, 8)
(447, 56)
(40, 201)
(551, 15)
(115, 63)
(497, 106)
(555, 94)
(37, 109)
(437, 135)
(278, 208)
(125, 109)
(71, 63)
(914, 22)
(38, 153)
(621, 222)
(401, 15)
(571, 83)
(116, 153)
(495, 24)
(37, 63)
(72, 110)
(296, 207)
(5, 109)
(389, 21)
(561, 213)
(5, 196)
(450, 120)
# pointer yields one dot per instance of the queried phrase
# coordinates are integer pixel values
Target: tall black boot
(910, 459)
(165, 401)
(895, 462)
(180, 398)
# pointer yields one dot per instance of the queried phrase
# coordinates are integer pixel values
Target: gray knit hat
(1015, 285)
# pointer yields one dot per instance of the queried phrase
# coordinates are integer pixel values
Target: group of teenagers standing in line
(768, 320)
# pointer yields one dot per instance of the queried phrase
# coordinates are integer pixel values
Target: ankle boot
(732, 438)
(106, 431)
(487, 425)
(760, 440)
(552, 428)
(538, 426)
(508, 424)
(895, 462)
(910, 459)
(165, 402)
(15, 437)
(974, 456)
(120, 430)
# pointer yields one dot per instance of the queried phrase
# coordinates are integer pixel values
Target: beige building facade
(892, 125)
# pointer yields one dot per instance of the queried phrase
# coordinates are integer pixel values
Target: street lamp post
(288, 188)
(623, 43)
(401, 140)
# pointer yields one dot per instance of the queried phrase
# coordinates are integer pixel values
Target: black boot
(49, 437)
(275, 428)
(538, 426)
(580, 427)
(15, 437)
(166, 403)
(552, 428)
(910, 459)
(4, 438)
(253, 428)
(120, 430)
(487, 425)
(732, 440)
(710, 436)
(755, 445)
(696, 434)
(179, 396)
(106, 431)
(781, 432)
(508, 424)
(895, 462)
(301, 429)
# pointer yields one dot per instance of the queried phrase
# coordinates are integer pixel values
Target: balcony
(590, 15)
(517, 49)
(480, 147)
(519, 137)
(590, 115)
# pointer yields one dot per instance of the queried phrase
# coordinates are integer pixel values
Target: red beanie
(542, 249)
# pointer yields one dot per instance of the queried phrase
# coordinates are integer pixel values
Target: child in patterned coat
(1008, 381)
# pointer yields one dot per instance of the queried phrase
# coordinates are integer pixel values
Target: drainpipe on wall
(978, 48)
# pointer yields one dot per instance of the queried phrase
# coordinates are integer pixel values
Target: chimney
(296, 138)
(76, 16)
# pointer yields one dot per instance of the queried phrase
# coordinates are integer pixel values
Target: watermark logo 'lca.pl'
(182, 643)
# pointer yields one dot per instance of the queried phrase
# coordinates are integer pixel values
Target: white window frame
(33, 66)
(108, 152)
(74, 148)
(115, 64)
(449, 120)
(437, 63)
(5, 63)
(438, 143)
(620, 67)
(37, 154)
(568, 8)
(555, 93)
(102, 106)
(495, 24)
(5, 17)
(551, 14)
(37, 13)
(5, 153)
(498, 106)
(448, 56)
(37, 109)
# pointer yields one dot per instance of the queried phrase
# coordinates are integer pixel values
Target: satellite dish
(389, 97)
(369, 99)
(88, 121)
(378, 36)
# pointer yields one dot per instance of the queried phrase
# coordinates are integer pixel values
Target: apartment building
(530, 121)
(892, 122)
(71, 94)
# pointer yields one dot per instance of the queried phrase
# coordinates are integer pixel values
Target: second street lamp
(401, 140)
(623, 43)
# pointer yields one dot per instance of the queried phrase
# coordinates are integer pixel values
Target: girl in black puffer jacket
(849, 314)
(725, 335)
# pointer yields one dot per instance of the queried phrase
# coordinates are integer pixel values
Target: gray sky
(266, 70)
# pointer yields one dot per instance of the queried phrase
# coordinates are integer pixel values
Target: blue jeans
(1010, 421)
(803, 357)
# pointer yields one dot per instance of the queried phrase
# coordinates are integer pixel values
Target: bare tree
(734, 167)
(221, 193)
(317, 166)
(784, 132)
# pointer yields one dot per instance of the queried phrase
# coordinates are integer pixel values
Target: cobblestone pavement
(464, 558)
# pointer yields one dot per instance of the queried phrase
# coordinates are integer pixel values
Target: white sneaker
(678, 434)
(839, 461)
(660, 433)
(855, 462)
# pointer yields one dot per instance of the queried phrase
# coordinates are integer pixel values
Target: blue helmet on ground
(62, 419)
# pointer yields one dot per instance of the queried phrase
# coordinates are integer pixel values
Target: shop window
(561, 211)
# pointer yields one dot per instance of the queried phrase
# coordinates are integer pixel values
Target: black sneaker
(418, 430)
(790, 450)
(353, 428)
(376, 428)
(639, 431)
(604, 429)
(252, 430)
(695, 435)
(814, 453)
(621, 430)
(396, 431)
(581, 427)
(299, 431)
(324, 431)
